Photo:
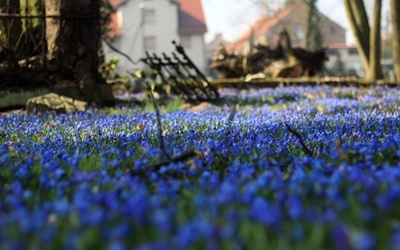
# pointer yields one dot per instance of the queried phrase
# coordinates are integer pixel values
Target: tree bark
(375, 71)
(395, 10)
(361, 16)
(358, 20)
(53, 8)
(77, 46)
(313, 38)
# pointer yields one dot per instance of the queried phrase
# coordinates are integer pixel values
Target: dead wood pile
(281, 61)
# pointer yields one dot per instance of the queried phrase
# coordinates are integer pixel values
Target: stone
(55, 102)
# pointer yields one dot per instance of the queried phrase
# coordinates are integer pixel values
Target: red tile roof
(115, 29)
(116, 3)
(191, 17)
(340, 46)
(260, 26)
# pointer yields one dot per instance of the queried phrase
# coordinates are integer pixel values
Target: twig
(306, 149)
(117, 80)
(158, 165)
(233, 112)
(175, 159)
(109, 44)
(158, 116)
(159, 124)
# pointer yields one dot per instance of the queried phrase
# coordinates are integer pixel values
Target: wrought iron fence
(182, 75)
(24, 34)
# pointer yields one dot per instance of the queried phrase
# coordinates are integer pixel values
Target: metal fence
(24, 35)
(179, 73)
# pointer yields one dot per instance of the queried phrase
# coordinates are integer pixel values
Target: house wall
(332, 32)
(350, 59)
(197, 51)
(164, 30)
(295, 22)
(134, 32)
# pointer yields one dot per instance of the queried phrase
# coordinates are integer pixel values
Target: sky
(232, 17)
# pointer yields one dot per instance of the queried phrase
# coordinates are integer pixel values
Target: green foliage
(105, 16)
(174, 105)
(90, 163)
(109, 69)
(30, 8)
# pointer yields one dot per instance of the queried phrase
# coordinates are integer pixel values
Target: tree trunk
(395, 9)
(375, 71)
(313, 38)
(358, 21)
(77, 45)
(52, 27)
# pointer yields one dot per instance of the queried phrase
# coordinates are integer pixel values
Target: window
(298, 31)
(149, 16)
(352, 51)
(149, 43)
(186, 41)
(120, 18)
(331, 52)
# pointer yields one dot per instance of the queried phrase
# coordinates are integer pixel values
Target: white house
(151, 25)
(344, 60)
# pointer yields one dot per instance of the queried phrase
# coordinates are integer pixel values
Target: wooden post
(52, 8)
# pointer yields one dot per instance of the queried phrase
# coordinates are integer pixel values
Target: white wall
(197, 52)
(133, 33)
(351, 61)
(165, 30)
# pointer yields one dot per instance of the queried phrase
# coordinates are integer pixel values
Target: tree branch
(306, 149)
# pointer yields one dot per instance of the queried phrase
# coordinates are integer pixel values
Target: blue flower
(340, 238)
(294, 207)
(365, 241)
(395, 239)
(265, 213)
(116, 245)
(162, 220)
(185, 236)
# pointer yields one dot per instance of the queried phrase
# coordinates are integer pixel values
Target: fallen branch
(175, 159)
(159, 124)
(109, 44)
(158, 165)
(306, 149)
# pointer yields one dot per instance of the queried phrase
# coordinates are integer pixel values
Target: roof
(114, 28)
(116, 3)
(266, 22)
(217, 40)
(340, 46)
(191, 17)
(260, 26)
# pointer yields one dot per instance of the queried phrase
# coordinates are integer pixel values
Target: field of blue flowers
(292, 168)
